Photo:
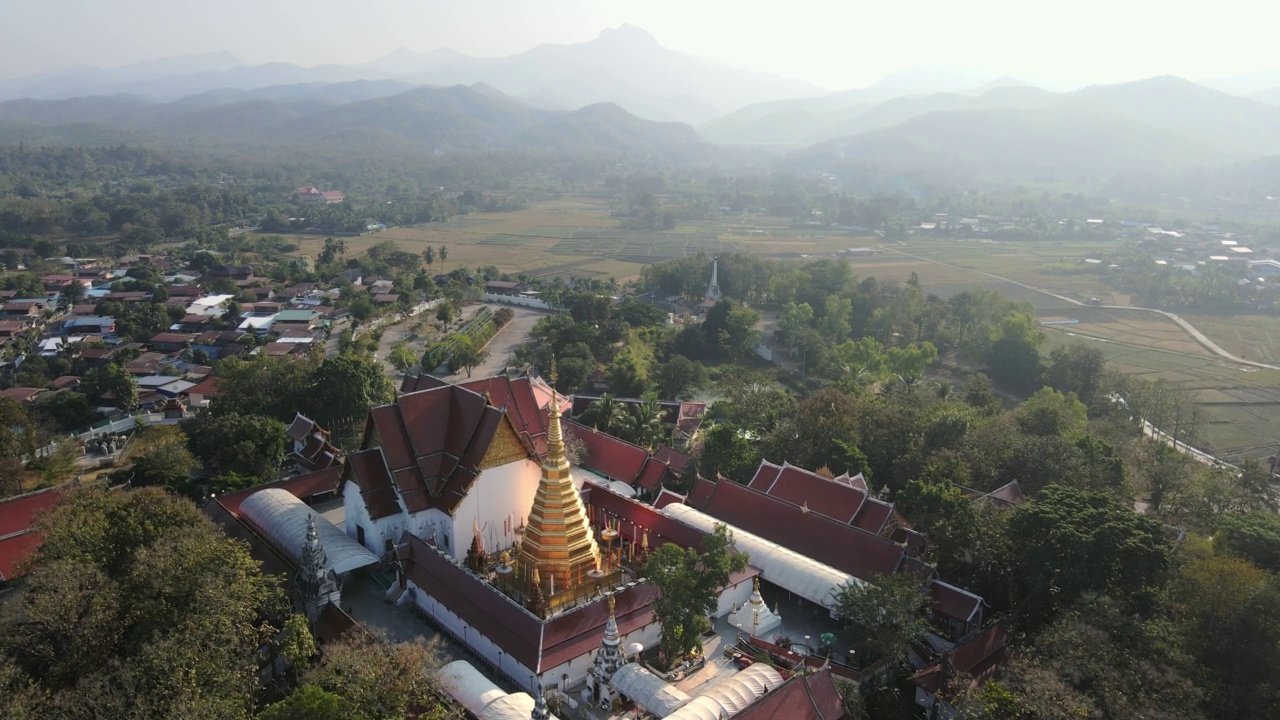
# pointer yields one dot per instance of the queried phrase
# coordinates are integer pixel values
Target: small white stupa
(755, 617)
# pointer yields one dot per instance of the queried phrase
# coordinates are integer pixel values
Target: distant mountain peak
(629, 35)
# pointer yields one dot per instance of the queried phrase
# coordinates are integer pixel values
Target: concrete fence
(518, 301)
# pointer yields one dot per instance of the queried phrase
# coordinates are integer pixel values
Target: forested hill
(419, 122)
(1086, 139)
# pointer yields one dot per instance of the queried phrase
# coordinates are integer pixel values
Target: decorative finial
(755, 585)
(612, 603)
(555, 374)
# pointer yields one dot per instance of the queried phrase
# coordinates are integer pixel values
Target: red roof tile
(953, 603)
(981, 652)
(846, 548)
(701, 495)
(873, 515)
(634, 518)
(22, 394)
(802, 487)
(674, 459)
(368, 470)
(65, 381)
(207, 387)
(17, 514)
(612, 457)
(665, 498)
(801, 697)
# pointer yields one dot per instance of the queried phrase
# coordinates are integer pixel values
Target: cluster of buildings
(534, 564)
(172, 365)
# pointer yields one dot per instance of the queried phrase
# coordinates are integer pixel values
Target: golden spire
(612, 602)
(755, 584)
(557, 537)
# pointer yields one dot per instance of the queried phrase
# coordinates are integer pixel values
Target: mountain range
(624, 65)
(619, 93)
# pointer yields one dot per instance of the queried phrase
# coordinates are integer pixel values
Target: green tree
(979, 393)
(1251, 536)
(1013, 353)
(139, 607)
(160, 458)
(272, 386)
(945, 514)
(247, 445)
(111, 385)
(342, 390)
(678, 376)
(1050, 413)
(401, 357)
(834, 324)
(467, 354)
(444, 255)
(731, 327)
(1076, 368)
(882, 618)
(379, 680)
(308, 702)
(1072, 542)
(795, 318)
(647, 424)
(429, 256)
(727, 451)
(689, 586)
(606, 414)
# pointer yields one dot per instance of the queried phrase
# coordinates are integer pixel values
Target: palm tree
(606, 414)
(429, 257)
(444, 255)
(646, 425)
(341, 246)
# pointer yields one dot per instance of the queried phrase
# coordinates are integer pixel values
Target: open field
(576, 236)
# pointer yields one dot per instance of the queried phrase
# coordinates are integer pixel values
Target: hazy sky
(836, 44)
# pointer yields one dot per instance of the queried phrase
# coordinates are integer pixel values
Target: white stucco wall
(734, 594)
(500, 497)
(376, 532)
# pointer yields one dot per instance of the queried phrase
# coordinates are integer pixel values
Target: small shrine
(754, 616)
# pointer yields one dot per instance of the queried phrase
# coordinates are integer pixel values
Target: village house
(311, 195)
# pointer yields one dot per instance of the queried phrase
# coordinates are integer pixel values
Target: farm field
(576, 236)
(1252, 337)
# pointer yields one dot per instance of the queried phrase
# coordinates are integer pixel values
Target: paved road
(1198, 336)
(503, 345)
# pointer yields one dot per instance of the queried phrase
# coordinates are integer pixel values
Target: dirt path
(1196, 335)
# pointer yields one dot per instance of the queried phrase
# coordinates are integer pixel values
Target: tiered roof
(812, 534)
(844, 498)
(427, 448)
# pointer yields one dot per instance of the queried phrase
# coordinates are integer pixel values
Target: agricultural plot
(1253, 337)
(1241, 406)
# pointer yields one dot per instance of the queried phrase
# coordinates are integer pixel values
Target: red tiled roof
(423, 381)
(801, 697)
(951, 602)
(983, 649)
(1010, 494)
(701, 495)
(846, 548)
(530, 415)
(172, 337)
(368, 470)
(22, 394)
(300, 427)
(673, 459)
(207, 387)
(634, 518)
(333, 623)
(612, 457)
(928, 678)
(873, 515)
(17, 515)
(665, 498)
(65, 381)
(802, 487)
(477, 603)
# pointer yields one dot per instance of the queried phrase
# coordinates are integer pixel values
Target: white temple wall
(734, 595)
(375, 532)
(473, 639)
(498, 499)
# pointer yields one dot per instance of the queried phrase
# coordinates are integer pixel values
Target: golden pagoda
(559, 551)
